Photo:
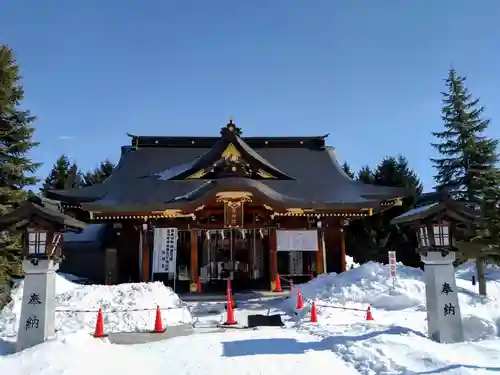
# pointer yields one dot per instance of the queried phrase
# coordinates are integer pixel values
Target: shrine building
(179, 209)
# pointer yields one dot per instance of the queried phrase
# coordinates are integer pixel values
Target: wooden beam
(273, 257)
(319, 254)
(194, 259)
(146, 258)
(343, 263)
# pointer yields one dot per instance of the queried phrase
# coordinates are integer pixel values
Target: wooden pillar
(319, 254)
(273, 257)
(343, 264)
(146, 258)
(194, 260)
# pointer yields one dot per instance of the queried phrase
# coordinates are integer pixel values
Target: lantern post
(444, 318)
(41, 225)
(435, 225)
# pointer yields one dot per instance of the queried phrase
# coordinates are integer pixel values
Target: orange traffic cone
(198, 286)
(300, 301)
(369, 313)
(230, 313)
(229, 293)
(158, 322)
(314, 314)
(277, 286)
(99, 326)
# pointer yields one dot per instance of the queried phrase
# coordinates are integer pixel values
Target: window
(423, 238)
(37, 241)
(441, 234)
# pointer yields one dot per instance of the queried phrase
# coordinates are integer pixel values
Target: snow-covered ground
(270, 351)
(395, 342)
(342, 342)
(77, 307)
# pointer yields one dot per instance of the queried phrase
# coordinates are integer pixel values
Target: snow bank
(77, 307)
(368, 284)
(371, 285)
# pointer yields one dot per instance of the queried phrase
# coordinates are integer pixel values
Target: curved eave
(260, 191)
(367, 191)
(28, 210)
(248, 154)
(74, 196)
(207, 192)
(90, 193)
(255, 158)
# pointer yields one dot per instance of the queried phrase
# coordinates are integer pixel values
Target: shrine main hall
(190, 210)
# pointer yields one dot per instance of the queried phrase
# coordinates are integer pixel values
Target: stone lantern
(42, 224)
(435, 224)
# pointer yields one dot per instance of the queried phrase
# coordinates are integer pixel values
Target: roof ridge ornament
(230, 128)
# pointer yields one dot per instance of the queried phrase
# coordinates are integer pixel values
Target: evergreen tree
(394, 171)
(466, 167)
(63, 175)
(365, 175)
(16, 168)
(466, 154)
(99, 174)
(348, 171)
(370, 238)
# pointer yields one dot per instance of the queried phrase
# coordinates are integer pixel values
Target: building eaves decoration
(229, 157)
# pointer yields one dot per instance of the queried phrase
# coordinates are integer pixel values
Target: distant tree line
(66, 175)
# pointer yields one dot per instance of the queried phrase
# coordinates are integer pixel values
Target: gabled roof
(435, 205)
(45, 209)
(156, 173)
(232, 151)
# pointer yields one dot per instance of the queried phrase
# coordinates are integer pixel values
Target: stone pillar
(37, 322)
(444, 320)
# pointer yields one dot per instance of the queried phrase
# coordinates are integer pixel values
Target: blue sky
(367, 72)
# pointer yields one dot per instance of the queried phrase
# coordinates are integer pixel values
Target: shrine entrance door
(237, 254)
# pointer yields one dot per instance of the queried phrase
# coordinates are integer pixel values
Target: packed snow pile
(371, 285)
(126, 307)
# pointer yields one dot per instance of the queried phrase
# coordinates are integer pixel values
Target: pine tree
(466, 154)
(348, 171)
(394, 171)
(365, 175)
(467, 166)
(63, 175)
(99, 174)
(16, 168)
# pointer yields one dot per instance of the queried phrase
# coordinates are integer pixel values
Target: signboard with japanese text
(392, 263)
(297, 240)
(165, 250)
